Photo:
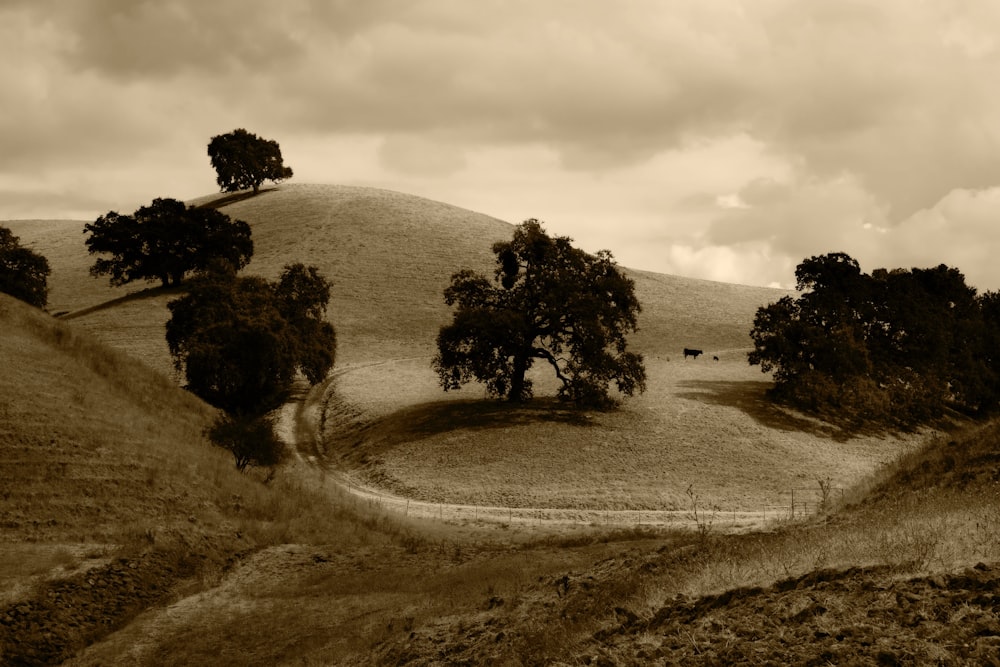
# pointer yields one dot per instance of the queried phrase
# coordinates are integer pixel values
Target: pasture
(701, 424)
(106, 472)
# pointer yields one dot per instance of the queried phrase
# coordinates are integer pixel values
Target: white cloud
(960, 230)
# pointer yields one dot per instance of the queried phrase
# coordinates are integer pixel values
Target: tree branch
(542, 353)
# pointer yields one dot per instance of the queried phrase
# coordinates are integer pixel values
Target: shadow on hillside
(226, 200)
(434, 418)
(140, 295)
(750, 396)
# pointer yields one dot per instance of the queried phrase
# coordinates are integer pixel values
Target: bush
(23, 272)
(251, 440)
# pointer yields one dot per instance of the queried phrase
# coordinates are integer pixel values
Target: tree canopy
(242, 160)
(164, 241)
(897, 346)
(240, 340)
(23, 272)
(547, 301)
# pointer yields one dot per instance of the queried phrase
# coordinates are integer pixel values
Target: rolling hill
(388, 424)
(111, 498)
(113, 504)
(390, 256)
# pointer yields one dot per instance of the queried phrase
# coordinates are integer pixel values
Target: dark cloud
(858, 115)
(139, 39)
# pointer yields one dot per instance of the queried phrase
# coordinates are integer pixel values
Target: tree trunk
(516, 394)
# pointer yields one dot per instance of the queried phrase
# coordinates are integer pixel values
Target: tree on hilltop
(23, 272)
(242, 160)
(547, 301)
(164, 241)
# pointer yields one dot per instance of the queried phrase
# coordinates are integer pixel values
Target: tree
(251, 440)
(23, 272)
(547, 301)
(896, 347)
(164, 241)
(240, 340)
(242, 160)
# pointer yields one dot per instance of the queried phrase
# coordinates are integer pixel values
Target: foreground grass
(440, 594)
(104, 461)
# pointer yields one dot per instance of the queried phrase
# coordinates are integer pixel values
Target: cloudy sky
(718, 139)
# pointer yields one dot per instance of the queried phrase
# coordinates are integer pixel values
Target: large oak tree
(896, 347)
(164, 241)
(547, 301)
(240, 340)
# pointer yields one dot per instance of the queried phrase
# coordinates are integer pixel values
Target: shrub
(251, 440)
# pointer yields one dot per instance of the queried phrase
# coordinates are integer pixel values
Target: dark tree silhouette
(547, 301)
(164, 241)
(251, 440)
(895, 347)
(242, 160)
(23, 273)
(240, 340)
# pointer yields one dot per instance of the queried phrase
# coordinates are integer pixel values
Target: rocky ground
(857, 616)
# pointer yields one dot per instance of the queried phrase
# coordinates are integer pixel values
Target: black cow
(693, 353)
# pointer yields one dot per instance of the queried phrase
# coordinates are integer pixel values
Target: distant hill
(390, 256)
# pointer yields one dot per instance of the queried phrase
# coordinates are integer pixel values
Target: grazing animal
(693, 353)
(716, 358)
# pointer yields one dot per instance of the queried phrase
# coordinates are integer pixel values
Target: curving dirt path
(297, 424)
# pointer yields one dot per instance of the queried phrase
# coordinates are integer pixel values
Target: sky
(718, 139)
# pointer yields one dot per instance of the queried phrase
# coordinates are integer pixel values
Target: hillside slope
(110, 496)
(390, 256)
(74, 413)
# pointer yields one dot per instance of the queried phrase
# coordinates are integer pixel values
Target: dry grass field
(127, 539)
(390, 256)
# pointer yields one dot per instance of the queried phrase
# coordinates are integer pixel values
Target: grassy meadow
(106, 471)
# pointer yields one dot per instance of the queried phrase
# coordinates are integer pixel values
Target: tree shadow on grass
(148, 293)
(226, 200)
(429, 419)
(751, 397)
